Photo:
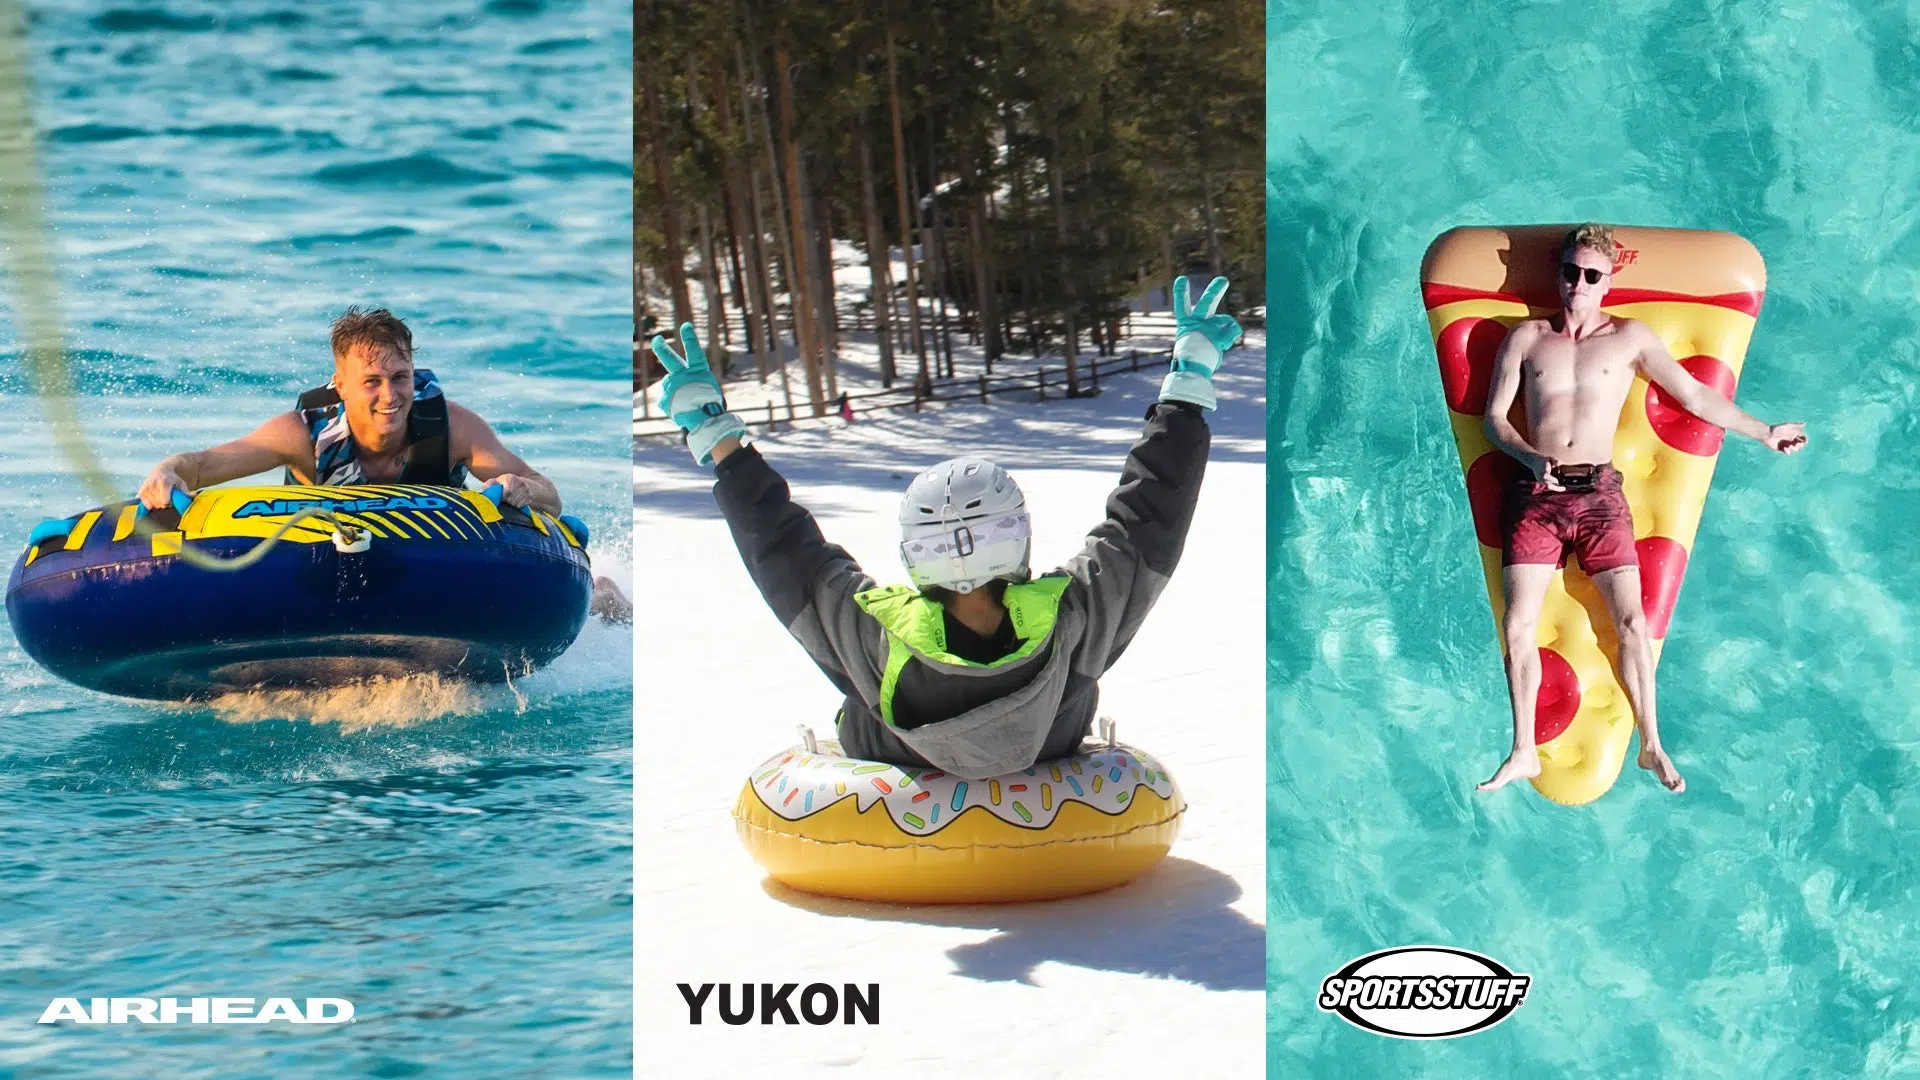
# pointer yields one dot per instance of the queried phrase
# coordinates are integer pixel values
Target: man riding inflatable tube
(378, 420)
(978, 668)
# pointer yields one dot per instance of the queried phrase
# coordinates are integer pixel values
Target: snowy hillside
(1135, 981)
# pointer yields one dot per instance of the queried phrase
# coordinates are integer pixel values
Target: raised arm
(1659, 367)
(810, 584)
(1129, 557)
(491, 462)
(1502, 391)
(279, 443)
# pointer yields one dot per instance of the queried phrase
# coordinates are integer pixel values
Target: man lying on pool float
(1573, 370)
(976, 668)
(379, 420)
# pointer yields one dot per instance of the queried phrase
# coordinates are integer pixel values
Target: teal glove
(1200, 339)
(691, 395)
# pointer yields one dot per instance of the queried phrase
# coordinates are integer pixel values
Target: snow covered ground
(1167, 973)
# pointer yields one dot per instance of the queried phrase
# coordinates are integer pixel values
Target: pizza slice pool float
(1701, 292)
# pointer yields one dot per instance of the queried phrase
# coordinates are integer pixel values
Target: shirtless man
(1575, 370)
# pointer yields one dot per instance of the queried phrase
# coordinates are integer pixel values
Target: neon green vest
(918, 625)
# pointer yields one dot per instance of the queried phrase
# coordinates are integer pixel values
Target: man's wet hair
(1592, 236)
(378, 327)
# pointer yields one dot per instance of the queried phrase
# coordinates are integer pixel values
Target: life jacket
(337, 457)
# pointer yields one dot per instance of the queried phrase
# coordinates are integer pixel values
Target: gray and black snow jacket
(909, 700)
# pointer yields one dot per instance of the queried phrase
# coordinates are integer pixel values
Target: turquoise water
(1763, 923)
(225, 178)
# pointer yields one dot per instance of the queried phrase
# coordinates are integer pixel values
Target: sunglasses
(1570, 273)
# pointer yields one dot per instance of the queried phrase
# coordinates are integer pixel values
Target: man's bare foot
(1520, 765)
(1656, 761)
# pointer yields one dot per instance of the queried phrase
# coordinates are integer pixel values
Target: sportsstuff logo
(1424, 992)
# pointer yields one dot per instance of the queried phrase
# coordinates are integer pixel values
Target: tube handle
(180, 499)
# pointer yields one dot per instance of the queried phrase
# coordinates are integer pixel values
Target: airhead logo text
(277, 507)
(818, 1003)
(1424, 992)
(200, 1010)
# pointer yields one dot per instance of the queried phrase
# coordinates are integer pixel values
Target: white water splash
(375, 703)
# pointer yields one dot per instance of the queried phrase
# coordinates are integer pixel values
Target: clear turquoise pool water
(224, 179)
(1763, 923)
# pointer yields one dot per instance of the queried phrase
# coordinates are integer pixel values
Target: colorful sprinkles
(920, 799)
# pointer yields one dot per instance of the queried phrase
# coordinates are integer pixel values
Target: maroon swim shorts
(1543, 526)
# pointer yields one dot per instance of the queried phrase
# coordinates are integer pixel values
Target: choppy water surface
(1762, 924)
(224, 179)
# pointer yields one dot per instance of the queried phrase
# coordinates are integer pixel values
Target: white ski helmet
(963, 523)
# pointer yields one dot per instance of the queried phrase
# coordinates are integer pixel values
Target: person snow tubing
(977, 668)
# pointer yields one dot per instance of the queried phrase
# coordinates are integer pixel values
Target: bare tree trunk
(753, 174)
(923, 379)
(783, 259)
(752, 301)
(1214, 261)
(1016, 177)
(937, 261)
(759, 256)
(717, 329)
(730, 233)
(879, 265)
(825, 289)
(966, 299)
(800, 285)
(710, 284)
(669, 210)
(1173, 267)
(1072, 344)
(923, 269)
(1030, 288)
(937, 286)
(982, 281)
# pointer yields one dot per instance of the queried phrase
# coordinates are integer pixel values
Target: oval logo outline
(1492, 967)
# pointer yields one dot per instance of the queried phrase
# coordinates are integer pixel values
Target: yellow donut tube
(825, 823)
(1701, 292)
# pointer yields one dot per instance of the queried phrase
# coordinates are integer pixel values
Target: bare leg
(1526, 586)
(1621, 590)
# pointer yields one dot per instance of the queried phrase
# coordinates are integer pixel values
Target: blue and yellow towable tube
(437, 580)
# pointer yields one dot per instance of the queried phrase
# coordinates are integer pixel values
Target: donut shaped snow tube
(1701, 292)
(825, 823)
(449, 583)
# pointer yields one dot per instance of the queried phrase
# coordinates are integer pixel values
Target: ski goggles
(965, 538)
